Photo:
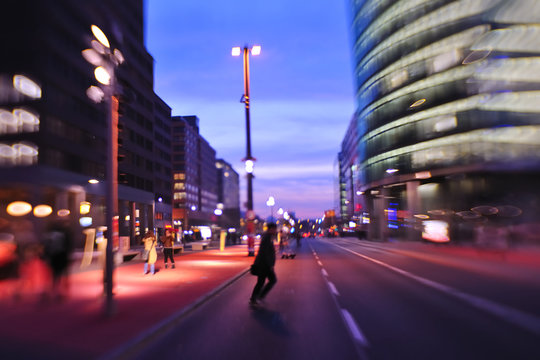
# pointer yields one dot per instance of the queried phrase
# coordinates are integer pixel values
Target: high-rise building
(349, 207)
(194, 174)
(228, 194)
(162, 165)
(447, 114)
(53, 138)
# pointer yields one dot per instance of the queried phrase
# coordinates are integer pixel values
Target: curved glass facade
(445, 88)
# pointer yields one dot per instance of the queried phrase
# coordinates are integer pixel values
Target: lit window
(179, 195)
(26, 86)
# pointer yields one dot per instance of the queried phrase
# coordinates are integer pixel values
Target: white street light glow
(93, 57)
(100, 36)
(236, 51)
(95, 94)
(119, 56)
(102, 75)
(256, 50)
(249, 166)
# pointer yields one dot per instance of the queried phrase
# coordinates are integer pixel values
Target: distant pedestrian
(264, 263)
(58, 245)
(168, 247)
(150, 253)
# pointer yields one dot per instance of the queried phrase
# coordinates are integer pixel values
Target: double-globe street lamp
(106, 60)
(249, 159)
(270, 203)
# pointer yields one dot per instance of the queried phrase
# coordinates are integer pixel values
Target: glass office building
(448, 116)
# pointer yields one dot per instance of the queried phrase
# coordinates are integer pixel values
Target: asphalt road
(349, 299)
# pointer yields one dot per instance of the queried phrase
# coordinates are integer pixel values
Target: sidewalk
(76, 327)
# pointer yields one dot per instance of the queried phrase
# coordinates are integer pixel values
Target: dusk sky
(302, 96)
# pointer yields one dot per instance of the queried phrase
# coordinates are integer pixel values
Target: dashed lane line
(354, 329)
(517, 317)
(324, 272)
(360, 340)
(333, 288)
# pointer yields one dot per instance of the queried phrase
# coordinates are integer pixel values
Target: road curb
(129, 349)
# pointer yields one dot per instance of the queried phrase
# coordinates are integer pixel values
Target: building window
(179, 195)
(179, 176)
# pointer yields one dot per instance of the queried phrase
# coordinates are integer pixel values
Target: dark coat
(266, 257)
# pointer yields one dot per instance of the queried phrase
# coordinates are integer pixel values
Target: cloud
(302, 95)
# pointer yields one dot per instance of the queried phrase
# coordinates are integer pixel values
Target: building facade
(349, 206)
(447, 116)
(228, 194)
(162, 166)
(194, 175)
(53, 138)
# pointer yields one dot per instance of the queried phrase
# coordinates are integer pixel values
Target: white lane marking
(333, 288)
(354, 329)
(324, 272)
(318, 262)
(507, 313)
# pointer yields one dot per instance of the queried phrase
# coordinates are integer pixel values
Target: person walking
(264, 263)
(58, 245)
(150, 253)
(168, 248)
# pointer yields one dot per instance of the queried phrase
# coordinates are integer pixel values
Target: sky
(302, 96)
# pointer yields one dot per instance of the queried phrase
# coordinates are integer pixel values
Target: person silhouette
(264, 263)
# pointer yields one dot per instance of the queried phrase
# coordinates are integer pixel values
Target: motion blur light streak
(100, 36)
(422, 175)
(85, 221)
(418, 103)
(19, 154)
(63, 212)
(42, 210)
(102, 75)
(84, 207)
(26, 86)
(436, 231)
(27, 121)
(18, 208)
(92, 56)
(476, 56)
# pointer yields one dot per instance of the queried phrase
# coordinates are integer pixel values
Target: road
(351, 299)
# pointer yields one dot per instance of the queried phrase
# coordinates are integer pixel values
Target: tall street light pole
(249, 159)
(105, 59)
(270, 203)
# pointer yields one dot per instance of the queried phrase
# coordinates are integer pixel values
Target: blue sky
(301, 88)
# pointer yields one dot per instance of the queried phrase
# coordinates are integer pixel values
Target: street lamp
(271, 202)
(106, 60)
(249, 160)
